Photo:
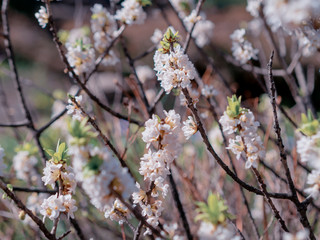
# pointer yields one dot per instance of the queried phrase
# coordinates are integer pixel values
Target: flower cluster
(24, 162)
(242, 122)
(132, 12)
(242, 50)
(103, 26)
(308, 146)
(42, 16)
(189, 128)
(99, 173)
(81, 57)
(163, 135)
(73, 108)
(203, 30)
(57, 170)
(173, 67)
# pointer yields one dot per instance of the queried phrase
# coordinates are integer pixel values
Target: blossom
(81, 57)
(208, 231)
(301, 235)
(117, 212)
(52, 173)
(156, 36)
(144, 73)
(189, 128)
(52, 207)
(173, 69)
(42, 16)
(203, 30)
(253, 7)
(69, 205)
(73, 108)
(309, 150)
(208, 91)
(313, 180)
(131, 12)
(24, 165)
(102, 20)
(247, 140)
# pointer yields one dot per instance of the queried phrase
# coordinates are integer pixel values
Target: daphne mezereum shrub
(155, 128)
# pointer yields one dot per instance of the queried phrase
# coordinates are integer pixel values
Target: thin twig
(301, 208)
(20, 205)
(178, 202)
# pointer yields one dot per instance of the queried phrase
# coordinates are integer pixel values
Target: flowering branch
(301, 208)
(20, 205)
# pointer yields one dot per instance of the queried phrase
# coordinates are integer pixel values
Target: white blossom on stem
(42, 16)
(189, 128)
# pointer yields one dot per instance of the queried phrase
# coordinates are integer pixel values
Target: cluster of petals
(23, 164)
(56, 204)
(189, 127)
(73, 108)
(247, 141)
(117, 211)
(290, 14)
(100, 184)
(103, 26)
(208, 91)
(81, 57)
(131, 13)
(203, 29)
(209, 231)
(242, 50)
(155, 165)
(174, 69)
(300, 235)
(42, 16)
(54, 172)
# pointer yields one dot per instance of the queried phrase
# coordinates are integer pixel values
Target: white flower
(73, 108)
(131, 13)
(24, 165)
(189, 128)
(42, 16)
(52, 207)
(301, 235)
(238, 35)
(157, 36)
(51, 173)
(69, 205)
(253, 7)
(81, 57)
(248, 141)
(208, 91)
(102, 20)
(203, 30)
(145, 73)
(309, 149)
(209, 232)
(313, 180)
(173, 69)
(117, 212)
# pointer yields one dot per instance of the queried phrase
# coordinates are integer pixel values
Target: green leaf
(309, 125)
(50, 152)
(214, 211)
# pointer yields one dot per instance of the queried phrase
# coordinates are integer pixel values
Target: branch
(20, 205)
(177, 200)
(301, 208)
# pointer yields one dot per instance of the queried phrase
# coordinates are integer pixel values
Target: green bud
(234, 106)
(309, 125)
